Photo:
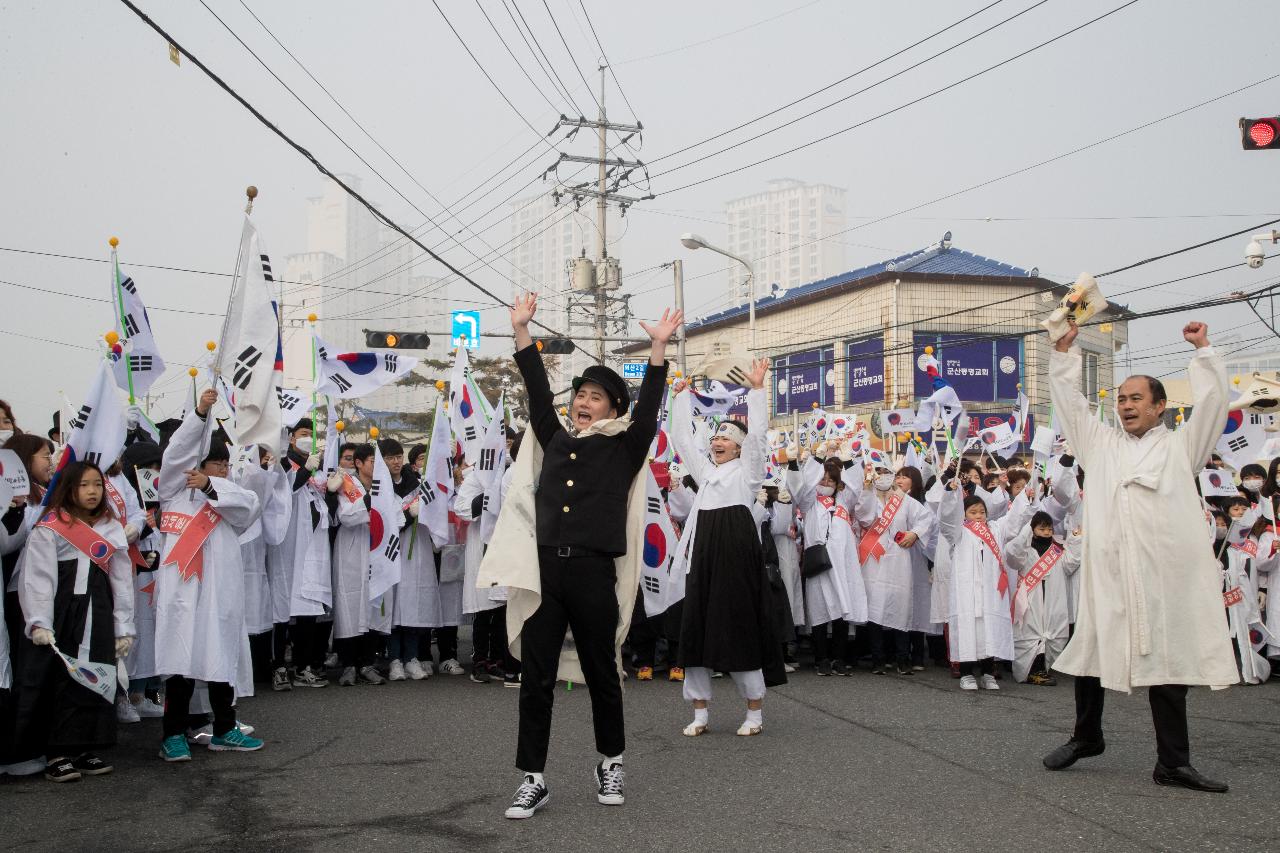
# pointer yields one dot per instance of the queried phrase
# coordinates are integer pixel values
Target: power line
(550, 68)
(896, 109)
(572, 60)
(634, 115)
(845, 79)
(320, 167)
(511, 53)
(692, 45)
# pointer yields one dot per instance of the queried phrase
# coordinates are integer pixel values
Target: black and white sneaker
(530, 797)
(89, 764)
(61, 770)
(280, 679)
(609, 784)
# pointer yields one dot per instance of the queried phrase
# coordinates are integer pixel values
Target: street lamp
(693, 241)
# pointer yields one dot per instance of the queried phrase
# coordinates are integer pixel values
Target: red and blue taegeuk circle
(359, 363)
(376, 528)
(98, 550)
(655, 545)
(1235, 420)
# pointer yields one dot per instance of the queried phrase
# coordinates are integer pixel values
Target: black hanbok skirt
(727, 623)
(55, 715)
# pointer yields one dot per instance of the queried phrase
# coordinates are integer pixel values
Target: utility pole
(591, 293)
(678, 268)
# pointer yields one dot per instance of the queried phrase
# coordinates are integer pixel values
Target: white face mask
(884, 482)
(826, 491)
(5, 435)
(1219, 532)
(1253, 484)
(303, 443)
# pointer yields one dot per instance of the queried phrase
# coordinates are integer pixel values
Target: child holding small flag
(76, 589)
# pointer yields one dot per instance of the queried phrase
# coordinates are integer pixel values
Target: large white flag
(332, 440)
(98, 430)
(659, 547)
(140, 365)
(436, 488)
(716, 399)
(250, 357)
(490, 465)
(343, 375)
(385, 516)
(292, 406)
(467, 415)
(998, 438)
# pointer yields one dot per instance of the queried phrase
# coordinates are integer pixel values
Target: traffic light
(1257, 134)
(554, 346)
(396, 340)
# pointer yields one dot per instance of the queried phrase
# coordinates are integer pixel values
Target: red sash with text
(980, 530)
(839, 511)
(870, 545)
(1032, 579)
(192, 531)
(117, 503)
(82, 537)
(1247, 546)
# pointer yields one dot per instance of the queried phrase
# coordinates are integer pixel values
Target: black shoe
(480, 674)
(91, 765)
(609, 782)
(530, 797)
(824, 667)
(1186, 777)
(842, 668)
(1071, 752)
(904, 668)
(62, 770)
(877, 669)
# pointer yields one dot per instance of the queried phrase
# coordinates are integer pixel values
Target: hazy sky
(104, 136)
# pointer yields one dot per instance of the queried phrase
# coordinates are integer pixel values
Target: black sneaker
(91, 765)
(511, 679)
(824, 667)
(480, 673)
(62, 770)
(530, 797)
(609, 784)
(877, 669)
(904, 668)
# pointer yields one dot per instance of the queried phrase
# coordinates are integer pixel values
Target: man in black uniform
(580, 507)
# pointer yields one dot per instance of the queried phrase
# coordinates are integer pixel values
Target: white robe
(1045, 627)
(782, 526)
(141, 661)
(1244, 615)
(300, 567)
(267, 530)
(200, 628)
(353, 612)
(891, 579)
(418, 593)
(979, 617)
(1150, 608)
(1268, 578)
(473, 600)
(838, 593)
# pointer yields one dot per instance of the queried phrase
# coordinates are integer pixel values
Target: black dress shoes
(1186, 777)
(1071, 752)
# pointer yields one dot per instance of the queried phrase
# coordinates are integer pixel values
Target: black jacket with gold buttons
(581, 498)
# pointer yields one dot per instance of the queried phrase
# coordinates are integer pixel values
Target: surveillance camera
(1253, 254)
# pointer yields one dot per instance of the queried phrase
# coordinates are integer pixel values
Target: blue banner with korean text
(802, 379)
(981, 371)
(864, 371)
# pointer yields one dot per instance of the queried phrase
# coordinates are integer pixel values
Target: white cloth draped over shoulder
(1150, 607)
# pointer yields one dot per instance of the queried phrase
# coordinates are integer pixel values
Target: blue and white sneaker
(174, 748)
(235, 741)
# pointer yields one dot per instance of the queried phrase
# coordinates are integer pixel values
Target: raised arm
(755, 452)
(1210, 393)
(644, 415)
(803, 484)
(692, 457)
(542, 412)
(183, 451)
(1070, 408)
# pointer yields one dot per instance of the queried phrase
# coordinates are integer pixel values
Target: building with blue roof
(851, 342)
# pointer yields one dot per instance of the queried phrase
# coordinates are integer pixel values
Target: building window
(1089, 375)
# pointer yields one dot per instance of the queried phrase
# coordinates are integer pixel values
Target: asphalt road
(866, 763)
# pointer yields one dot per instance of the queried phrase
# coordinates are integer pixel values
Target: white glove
(131, 533)
(335, 482)
(123, 646)
(846, 451)
(42, 636)
(313, 462)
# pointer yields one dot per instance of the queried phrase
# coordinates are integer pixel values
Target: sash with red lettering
(350, 490)
(1233, 596)
(192, 531)
(870, 545)
(1247, 546)
(84, 538)
(980, 530)
(1032, 579)
(117, 503)
(839, 512)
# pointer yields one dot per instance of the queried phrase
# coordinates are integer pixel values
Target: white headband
(733, 432)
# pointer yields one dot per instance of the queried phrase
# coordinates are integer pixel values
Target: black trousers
(177, 705)
(833, 648)
(1168, 713)
(878, 634)
(577, 594)
(986, 666)
(357, 651)
(446, 642)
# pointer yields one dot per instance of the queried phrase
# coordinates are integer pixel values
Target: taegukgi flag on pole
(249, 357)
(385, 519)
(436, 489)
(490, 465)
(140, 364)
(344, 375)
(467, 416)
(99, 427)
(659, 547)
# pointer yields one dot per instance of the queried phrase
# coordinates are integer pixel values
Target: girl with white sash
(1044, 564)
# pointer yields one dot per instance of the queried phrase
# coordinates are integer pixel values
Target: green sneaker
(234, 741)
(175, 748)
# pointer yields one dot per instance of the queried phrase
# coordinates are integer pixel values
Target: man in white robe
(1150, 608)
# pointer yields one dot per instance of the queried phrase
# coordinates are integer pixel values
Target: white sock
(537, 779)
(616, 761)
(699, 716)
(755, 716)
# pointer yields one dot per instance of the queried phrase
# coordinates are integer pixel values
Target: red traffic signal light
(1257, 134)
(396, 340)
(554, 346)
